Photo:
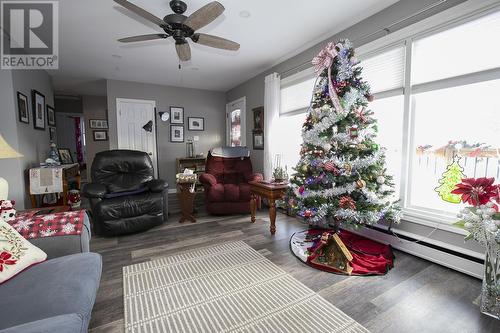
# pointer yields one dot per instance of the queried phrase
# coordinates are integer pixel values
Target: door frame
(242, 100)
(118, 128)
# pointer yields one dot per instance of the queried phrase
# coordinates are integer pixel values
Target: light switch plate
(196, 138)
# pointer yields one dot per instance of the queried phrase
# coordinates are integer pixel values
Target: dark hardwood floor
(415, 296)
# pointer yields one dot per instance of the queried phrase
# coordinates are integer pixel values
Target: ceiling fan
(181, 27)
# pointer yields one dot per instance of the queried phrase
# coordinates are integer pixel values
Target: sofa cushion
(55, 287)
(16, 253)
(68, 323)
(129, 206)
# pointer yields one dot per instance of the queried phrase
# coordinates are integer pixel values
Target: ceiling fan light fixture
(180, 27)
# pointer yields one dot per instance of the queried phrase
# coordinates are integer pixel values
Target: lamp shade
(6, 151)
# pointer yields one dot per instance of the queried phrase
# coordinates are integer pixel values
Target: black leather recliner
(124, 196)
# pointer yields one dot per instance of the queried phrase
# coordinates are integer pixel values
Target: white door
(236, 134)
(132, 115)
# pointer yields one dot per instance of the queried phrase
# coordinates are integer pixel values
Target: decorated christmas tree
(451, 177)
(340, 179)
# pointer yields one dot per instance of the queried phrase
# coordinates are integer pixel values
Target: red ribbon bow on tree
(322, 61)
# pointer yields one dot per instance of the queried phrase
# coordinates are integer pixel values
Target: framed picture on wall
(176, 133)
(98, 124)
(52, 134)
(22, 106)
(51, 116)
(38, 110)
(258, 140)
(196, 123)
(100, 135)
(65, 156)
(258, 119)
(176, 115)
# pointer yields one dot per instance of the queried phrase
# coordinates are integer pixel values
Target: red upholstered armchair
(227, 173)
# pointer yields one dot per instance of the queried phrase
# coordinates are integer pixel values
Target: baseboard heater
(452, 259)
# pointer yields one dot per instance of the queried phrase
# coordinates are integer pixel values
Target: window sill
(440, 222)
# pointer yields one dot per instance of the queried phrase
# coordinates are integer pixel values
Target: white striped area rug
(224, 288)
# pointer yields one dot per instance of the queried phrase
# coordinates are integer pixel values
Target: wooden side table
(186, 193)
(271, 192)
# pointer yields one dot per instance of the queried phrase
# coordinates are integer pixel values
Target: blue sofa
(54, 296)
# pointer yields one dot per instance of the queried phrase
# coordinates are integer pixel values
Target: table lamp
(6, 151)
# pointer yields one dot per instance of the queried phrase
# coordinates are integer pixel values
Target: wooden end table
(269, 191)
(186, 194)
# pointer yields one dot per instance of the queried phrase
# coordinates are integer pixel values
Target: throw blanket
(57, 224)
(46, 180)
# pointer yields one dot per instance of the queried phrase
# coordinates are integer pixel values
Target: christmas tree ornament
(380, 180)
(453, 175)
(347, 202)
(329, 166)
(360, 183)
(353, 132)
(347, 168)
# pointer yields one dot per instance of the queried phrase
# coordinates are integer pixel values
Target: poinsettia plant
(482, 220)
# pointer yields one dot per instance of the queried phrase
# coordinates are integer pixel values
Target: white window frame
(445, 20)
(243, 125)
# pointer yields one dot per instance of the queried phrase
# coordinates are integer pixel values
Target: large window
(445, 109)
(454, 114)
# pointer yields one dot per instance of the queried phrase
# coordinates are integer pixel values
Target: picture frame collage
(100, 129)
(43, 115)
(177, 130)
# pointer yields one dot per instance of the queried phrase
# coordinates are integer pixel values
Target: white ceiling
(276, 30)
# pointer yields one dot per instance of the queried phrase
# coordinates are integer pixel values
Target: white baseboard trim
(457, 263)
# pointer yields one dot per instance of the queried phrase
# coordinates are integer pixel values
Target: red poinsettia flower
(476, 191)
(5, 260)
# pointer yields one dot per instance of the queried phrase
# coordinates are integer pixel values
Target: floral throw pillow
(16, 253)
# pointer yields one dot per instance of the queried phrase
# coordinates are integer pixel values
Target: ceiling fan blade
(183, 51)
(141, 12)
(142, 38)
(214, 41)
(204, 15)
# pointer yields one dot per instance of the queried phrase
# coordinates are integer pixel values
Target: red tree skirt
(369, 257)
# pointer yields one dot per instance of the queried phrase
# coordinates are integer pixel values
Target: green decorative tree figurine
(340, 178)
(451, 177)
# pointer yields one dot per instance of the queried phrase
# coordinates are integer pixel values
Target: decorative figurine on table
(7, 211)
(53, 156)
(280, 174)
(74, 199)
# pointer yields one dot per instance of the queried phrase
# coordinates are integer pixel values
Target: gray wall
(68, 104)
(32, 143)
(10, 169)
(94, 107)
(253, 89)
(196, 103)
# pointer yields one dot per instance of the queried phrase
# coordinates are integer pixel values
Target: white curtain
(271, 116)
